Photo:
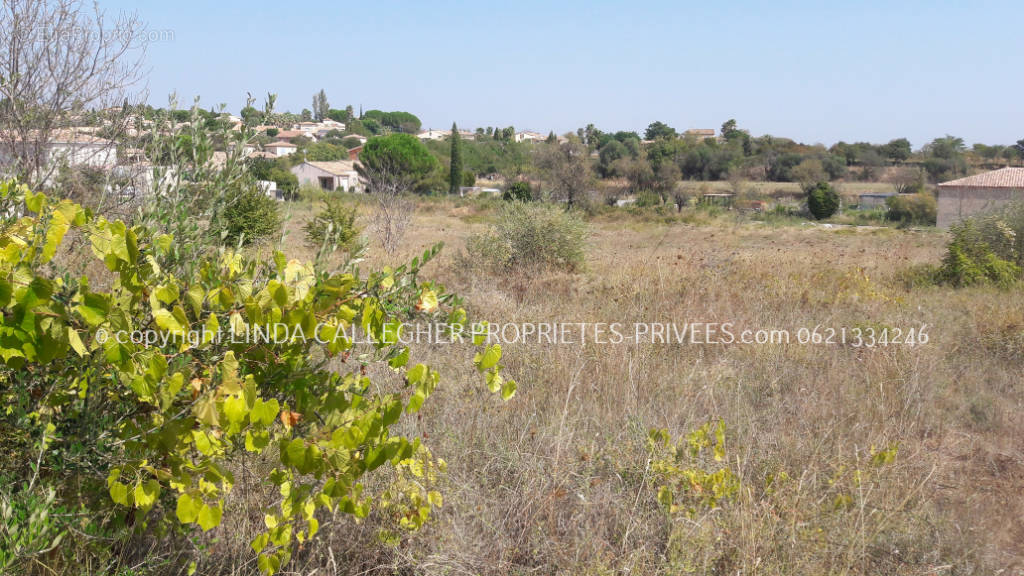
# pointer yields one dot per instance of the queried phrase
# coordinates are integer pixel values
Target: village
(81, 144)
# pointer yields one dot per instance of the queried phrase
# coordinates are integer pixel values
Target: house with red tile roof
(978, 194)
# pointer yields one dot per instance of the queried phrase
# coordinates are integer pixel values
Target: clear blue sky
(854, 71)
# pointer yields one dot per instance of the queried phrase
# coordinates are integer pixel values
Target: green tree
(567, 168)
(659, 130)
(609, 153)
(455, 167)
(897, 150)
(822, 201)
(320, 106)
(397, 156)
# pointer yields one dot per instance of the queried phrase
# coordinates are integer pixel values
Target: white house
(64, 148)
(337, 175)
(329, 124)
(306, 128)
(78, 149)
(442, 134)
(434, 134)
(281, 148)
(528, 136)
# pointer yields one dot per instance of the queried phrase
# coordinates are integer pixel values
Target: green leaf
(264, 412)
(209, 517)
(235, 409)
(416, 401)
(416, 374)
(489, 358)
(202, 441)
(35, 202)
(167, 293)
(256, 441)
(76, 342)
(164, 242)
(260, 542)
(508, 390)
(59, 226)
(146, 494)
(119, 493)
(401, 360)
(166, 321)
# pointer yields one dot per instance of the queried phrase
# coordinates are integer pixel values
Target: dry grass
(556, 481)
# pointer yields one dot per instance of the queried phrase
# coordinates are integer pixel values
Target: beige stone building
(986, 192)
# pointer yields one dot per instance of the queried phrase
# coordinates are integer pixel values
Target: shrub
(912, 209)
(468, 178)
(647, 199)
(143, 436)
(822, 201)
(247, 215)
(531, 235)
(334, 228)
(983, 250)
(519, 190)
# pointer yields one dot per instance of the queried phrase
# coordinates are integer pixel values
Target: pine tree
(455, 173)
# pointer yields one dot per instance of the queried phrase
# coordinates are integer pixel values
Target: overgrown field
(892, 459)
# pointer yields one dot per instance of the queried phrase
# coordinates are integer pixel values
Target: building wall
(308, 174)
(98, 155)
(281, 151)
(955, 204)
(871, 201)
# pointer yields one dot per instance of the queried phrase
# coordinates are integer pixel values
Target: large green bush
(132, 395)
(246, 215)
(986, 249)
(917, 209)
(529, 235)
(334, 228)
(519, 190)
(822, 201)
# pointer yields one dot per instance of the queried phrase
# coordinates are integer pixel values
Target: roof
(290, 133)
(337, 167)
(280, 145)
(1002, 178)
(66, 136)
(701, 131)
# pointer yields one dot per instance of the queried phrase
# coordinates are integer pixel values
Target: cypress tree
(455, 172)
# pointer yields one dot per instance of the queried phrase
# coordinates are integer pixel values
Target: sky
(817, 72)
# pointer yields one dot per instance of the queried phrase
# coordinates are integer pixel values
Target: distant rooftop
(337, 167)
(1002, 178)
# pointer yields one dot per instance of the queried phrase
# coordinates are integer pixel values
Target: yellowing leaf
(146, 494)
(428, 301)
(489, 358)
(76, 342)
(209, 517)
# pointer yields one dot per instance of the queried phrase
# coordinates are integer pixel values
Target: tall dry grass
(558, 480)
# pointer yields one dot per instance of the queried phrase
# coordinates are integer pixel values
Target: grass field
(559, 479)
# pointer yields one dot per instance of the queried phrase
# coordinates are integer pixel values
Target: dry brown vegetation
(558, 480)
